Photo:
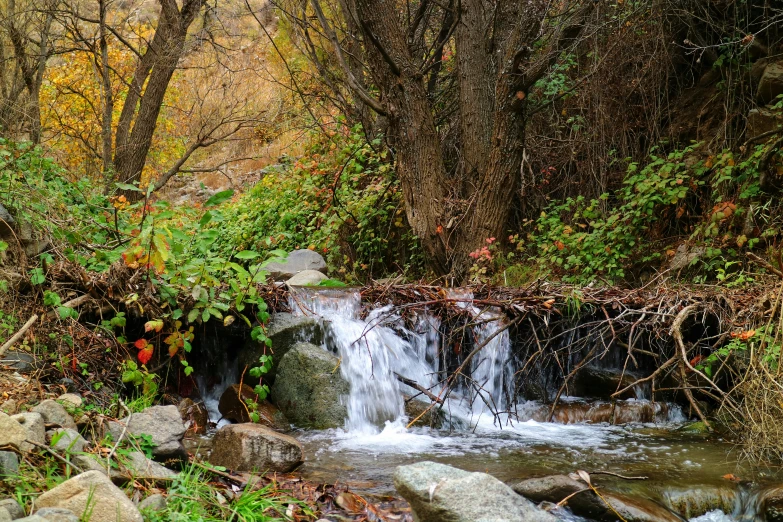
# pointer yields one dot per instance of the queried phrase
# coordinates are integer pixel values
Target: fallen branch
(416, 386)
(18, 335)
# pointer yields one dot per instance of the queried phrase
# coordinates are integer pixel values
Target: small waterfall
(377, 347)
(217, 371)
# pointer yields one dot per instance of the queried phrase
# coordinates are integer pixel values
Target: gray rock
(138, 466)
(34, 424)
(5, 516)
(20, 361)
(297, 261)
(253, 447)
(70, 400)
(308, 388)
(162, 423)
(90, 462)
(55, 413)
(66, 439)
(9, 464)
(771, 83)
(587, 504)
(285, 330)
(416, 409)
(440, 493)
(691, 502)
(12, 507)
(156, 502)
(13, 434)
(761, 121)
(57, 515)
(306, 278)
(684, 256)
(31, 518)
(6, 216)
(194, 415)
(94, 493)
(9, 407)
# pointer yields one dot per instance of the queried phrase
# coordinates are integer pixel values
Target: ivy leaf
(219, 198)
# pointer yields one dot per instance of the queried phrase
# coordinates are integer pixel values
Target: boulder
(5, 516)
(253, 447)
(297, 261)
(57, 515)
(284, 330)
(308, 388)
(9, 464)
(10, 406)
(306, 278)
(771, 83)
(235, 409)
(20, 361)
(162, 423)
(156, 502)
(685, 255)
(70, 400)
(13, 434)
(440, 493)
(194, 415)
(434, 418)
(691, 502)
(91, 492)
(55, 413)
(34, 424)
(138, 466)
(12, 507)
(772, 504)
(587, 504)
(761, 121)
(67, 440)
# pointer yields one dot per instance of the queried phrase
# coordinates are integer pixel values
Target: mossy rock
(308, 388)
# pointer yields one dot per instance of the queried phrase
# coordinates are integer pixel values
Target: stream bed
(491, 428)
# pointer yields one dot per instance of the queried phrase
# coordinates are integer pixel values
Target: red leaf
(146, 354)
(140, 343)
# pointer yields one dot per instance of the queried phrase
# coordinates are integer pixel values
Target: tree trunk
(155, 69)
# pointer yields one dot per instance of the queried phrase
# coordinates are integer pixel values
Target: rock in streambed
(440, 493)
(253, 447)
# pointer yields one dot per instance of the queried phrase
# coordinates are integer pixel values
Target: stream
(490, 427)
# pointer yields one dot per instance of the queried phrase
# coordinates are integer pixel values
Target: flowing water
(490, 427)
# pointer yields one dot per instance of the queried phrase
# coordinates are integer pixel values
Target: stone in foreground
(94, 493)
(55, 413)
(13, 434)
(307, 278)
(440, 493)
(162, 423)
(308, 388)
(57, 515)
(249, 447)
(12, 507)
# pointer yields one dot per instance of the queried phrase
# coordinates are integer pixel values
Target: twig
(416, 386)
(119, 439)
(55, 454)
(617, 475)
(18, 335)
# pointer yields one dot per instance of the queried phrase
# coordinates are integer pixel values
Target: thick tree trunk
(136, 127)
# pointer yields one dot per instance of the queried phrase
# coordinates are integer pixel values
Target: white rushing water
(378, 347)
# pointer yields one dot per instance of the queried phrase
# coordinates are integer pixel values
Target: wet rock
(285, 330)
(620, 412)
(587, 504)
(309, 386)
(55, 413)
(92, 491)
(248, 447)
(34, 424)
(771, 83)
(57, 515)
(12, 507)
(233, 408)
(601, 383)
(156, 502)
(13, 434)
(696, 501)
(9, 463)
(20, 361)
(67, 440)
(162, 423)
(138, 466)
(297, 261)
(306, 278)
(70, 400)
(440, 493)
(434, 418)
(194, 415)
(772, 504)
